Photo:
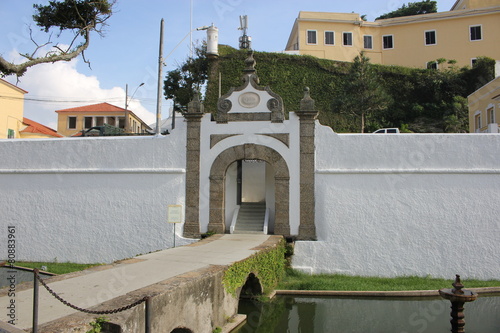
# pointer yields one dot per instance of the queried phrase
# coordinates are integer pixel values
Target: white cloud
(59, 85)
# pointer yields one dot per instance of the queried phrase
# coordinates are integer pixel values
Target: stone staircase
(250, 218)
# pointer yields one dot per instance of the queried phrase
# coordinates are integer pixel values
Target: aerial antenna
(245, 41)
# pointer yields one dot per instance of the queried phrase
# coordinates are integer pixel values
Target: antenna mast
(245, 41)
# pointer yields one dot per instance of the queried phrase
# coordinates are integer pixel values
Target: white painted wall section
(393, 205)
(91, 200)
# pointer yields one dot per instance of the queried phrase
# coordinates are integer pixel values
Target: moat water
(286, 314)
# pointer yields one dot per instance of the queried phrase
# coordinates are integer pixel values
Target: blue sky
(128, 53)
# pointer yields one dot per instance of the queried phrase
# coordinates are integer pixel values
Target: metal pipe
(148, 315)
(35, 300)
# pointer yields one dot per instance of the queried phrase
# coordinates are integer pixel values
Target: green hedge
(421, 98)
(267, 265)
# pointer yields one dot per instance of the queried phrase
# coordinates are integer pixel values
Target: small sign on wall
(174, 214)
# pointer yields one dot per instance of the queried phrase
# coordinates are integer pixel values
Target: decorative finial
(307, 103)
(249, 63)
(457, 285)
(195, 106)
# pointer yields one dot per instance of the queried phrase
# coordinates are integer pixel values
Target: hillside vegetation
(419, 100)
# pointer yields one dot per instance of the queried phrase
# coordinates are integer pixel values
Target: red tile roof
(34, 127)
(101, 107)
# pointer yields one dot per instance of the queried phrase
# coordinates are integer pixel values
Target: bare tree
(81, 17)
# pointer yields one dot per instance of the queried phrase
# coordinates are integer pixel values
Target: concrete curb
(410, 293)
(7, 328)
(236, 321)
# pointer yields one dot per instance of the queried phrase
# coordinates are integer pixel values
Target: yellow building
(71, 122)
(11, 110)
(484, 108)
(469, 30)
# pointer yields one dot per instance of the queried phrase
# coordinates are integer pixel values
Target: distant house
(469, 30)
(11, 110)
(71, 122)
(484, 108)
(33, 130)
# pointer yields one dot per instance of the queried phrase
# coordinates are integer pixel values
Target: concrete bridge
(185, 285)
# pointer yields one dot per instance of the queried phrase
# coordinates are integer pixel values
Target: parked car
(387, 130)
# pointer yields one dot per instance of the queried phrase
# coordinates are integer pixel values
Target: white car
(387, 130)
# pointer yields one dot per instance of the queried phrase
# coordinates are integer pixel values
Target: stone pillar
(307, 116)
(282, 206)
(193, 117)
(217, 205)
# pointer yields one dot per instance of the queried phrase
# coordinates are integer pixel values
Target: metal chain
(53, 293)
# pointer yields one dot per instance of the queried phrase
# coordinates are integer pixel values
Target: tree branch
(8, 68)
(82, 17)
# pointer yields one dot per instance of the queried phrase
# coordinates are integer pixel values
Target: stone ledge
(408, 293)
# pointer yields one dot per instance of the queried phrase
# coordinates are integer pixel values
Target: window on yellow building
(121, 122)
(430, 37)
(111, 121)
(71, 122)
(10, 134)
(475, 32)
(432, 65)
(87, 121)
(311, 36)
(491, 115)
(368, 42)
(388, 41)
(329, 38)
(347, 38)
(99, 121)
(477, 121)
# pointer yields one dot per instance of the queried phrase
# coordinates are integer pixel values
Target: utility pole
(160, 85)
(126, 124)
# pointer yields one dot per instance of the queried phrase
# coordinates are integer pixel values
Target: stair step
(251, 218)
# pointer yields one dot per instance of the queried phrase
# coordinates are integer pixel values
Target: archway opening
(250, 187)
(219, 213)
(252, 287)
(181, 330)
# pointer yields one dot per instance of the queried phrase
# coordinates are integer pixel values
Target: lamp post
(126, 126)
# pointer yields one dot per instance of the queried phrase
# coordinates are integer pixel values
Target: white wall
(407, 204)
(91, 200)
(385, 204)
(253, 181)
(231, 192)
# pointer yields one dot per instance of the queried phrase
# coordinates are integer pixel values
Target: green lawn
(55, 267)
(295, 280)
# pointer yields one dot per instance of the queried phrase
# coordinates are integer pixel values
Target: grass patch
(55, 267)
(295, 280)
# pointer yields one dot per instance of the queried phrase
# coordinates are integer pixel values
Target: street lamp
(127, 100)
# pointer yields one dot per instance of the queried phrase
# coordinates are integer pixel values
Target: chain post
(63, 301)
(35, 300)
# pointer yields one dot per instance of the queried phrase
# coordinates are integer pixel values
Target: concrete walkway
(93, 287)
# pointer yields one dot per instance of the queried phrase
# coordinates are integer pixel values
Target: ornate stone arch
(282, 184)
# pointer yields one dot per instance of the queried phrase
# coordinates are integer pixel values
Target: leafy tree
(181, 83)
(482, 72)
(361, 93)
(81, 17)
(413, 8)
(456, 119)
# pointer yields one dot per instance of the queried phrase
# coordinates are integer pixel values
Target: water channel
(287, 314)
